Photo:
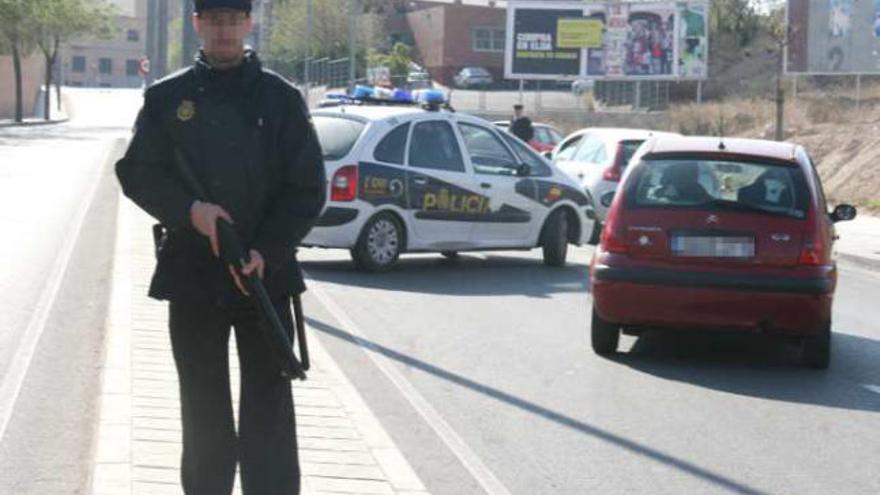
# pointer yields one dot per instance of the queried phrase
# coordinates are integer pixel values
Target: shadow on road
(718, 480)
(465, 276)
(762, 367)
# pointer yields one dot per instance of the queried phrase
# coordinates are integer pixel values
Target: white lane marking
(469, 459)
(873, 388)
(21, 359)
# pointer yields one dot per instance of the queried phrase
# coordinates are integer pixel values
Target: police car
(409, 177)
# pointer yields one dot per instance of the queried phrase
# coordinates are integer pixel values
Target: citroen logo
(713, 219)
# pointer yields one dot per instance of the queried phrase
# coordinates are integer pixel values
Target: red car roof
(737, 146)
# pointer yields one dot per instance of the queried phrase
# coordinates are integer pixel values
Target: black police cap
(243, 5)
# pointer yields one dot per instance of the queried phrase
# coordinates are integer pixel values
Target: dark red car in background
(729, 234)
(546, 136)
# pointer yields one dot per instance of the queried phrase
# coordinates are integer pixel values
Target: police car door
(443, 202)
(507, 221)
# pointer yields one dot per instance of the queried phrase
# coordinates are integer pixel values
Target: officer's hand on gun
(204, 218)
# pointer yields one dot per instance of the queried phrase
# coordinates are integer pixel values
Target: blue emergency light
(432, 97)
(398, 96)
(363, 92)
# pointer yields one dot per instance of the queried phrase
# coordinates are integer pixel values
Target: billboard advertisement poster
(833, 37)
(607, 40)
(693, 50)
(876, 19)
(535, 43)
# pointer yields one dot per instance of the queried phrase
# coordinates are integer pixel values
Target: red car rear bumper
(645, 297)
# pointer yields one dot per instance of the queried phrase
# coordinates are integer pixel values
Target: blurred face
(222, 32)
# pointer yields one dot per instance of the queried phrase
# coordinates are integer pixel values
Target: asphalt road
(496, 346)
(479, 367)
(57, 214)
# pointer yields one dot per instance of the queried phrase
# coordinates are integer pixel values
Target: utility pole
(190, 42)
(782, 37)
(352, 42)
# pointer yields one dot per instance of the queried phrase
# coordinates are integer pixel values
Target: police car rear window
(392, 148)
(337, 135)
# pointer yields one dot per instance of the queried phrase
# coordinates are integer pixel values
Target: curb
(38, 123)
(343, 447)
(860, 261)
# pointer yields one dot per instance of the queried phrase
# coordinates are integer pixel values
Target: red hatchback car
(729, 234)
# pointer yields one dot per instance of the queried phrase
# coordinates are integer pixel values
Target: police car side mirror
(523, 170)
(590, 212)
(548, 155)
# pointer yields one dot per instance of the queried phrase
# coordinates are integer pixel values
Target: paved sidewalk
(343, 448)
(859, 241)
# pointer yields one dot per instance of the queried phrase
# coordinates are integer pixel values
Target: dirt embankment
(842, 138)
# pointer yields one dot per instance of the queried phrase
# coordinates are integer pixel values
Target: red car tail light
(343, 187)
(813, 249)
(613, 236)
(812, 253)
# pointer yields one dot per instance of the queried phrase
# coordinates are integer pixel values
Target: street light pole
(309, 21)
(352, 42)
(151, 38)
(190, 41)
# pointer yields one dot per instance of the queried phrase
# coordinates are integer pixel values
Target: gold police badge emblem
(186, 110)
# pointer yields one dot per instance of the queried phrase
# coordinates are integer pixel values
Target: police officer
(520, 125)
(248, 137)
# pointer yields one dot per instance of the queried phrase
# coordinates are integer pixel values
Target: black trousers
(265, 446)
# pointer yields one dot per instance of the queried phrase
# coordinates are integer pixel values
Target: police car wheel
(604, 335)
(379, 245)
(555, 242)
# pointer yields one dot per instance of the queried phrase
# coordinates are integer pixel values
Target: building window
(78, 64)
(487, 39)
(131, 68)
(134, 35)
(105, 66)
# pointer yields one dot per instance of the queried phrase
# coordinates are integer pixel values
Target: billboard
(833, 37)
(562, 40)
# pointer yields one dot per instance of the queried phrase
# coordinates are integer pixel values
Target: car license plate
(713, 247)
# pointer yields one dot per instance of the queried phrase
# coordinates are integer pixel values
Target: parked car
(596, 157)
(413, 179)
(712, 234)
(473, 77)
(546, 136)
(581, 86)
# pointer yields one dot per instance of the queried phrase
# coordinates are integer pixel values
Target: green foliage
(398, 60)
(738, 20)
(330, 29)
(58, 21)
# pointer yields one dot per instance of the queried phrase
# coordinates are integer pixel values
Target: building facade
(112, 63)
(450, 35)
(32, 75)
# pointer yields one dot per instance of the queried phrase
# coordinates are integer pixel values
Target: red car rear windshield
(764, 188)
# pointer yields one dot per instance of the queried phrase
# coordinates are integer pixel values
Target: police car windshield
(337, 135)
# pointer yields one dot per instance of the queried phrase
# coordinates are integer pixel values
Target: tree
(59, 21)
(16, 23)
(330, 30)
(398, 60)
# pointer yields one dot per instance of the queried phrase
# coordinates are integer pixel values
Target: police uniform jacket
(248, 137)
(521, 127)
